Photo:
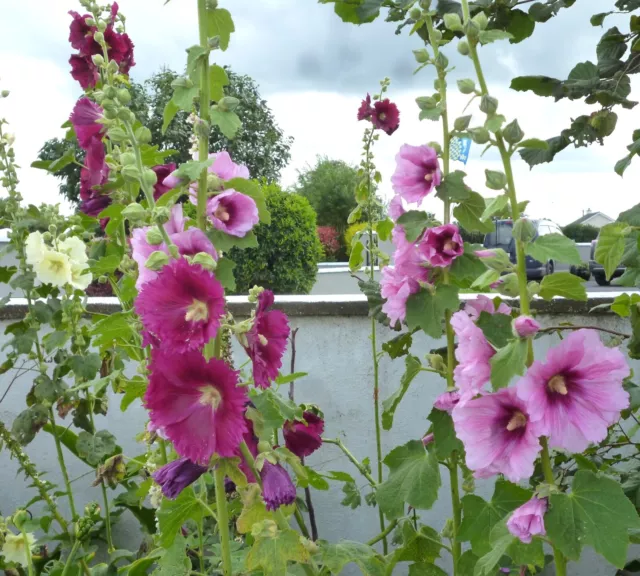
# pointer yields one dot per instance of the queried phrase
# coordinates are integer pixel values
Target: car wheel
(550, 268)
(601, 280)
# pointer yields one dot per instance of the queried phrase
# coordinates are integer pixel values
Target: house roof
(585, 217)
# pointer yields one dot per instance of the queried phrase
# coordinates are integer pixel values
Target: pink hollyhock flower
(365, 111)
(407, 259)
(447, 401)
(577, 393)
(473, 354)
(442, 245)
(386, 116)
(233, 212)
(266, 341)
(304, 438)
(225, 168)
(85, 119)
(182, 306)
(198, 403)
(525, 326)
(174, 477)
(498, 435)
(527, 521)
(484, 304)
(486, 253)
(417, 172)
(84, 71)
(396, 208)
(428, 439)
(162, 172)
(277, 487)
(396, 289)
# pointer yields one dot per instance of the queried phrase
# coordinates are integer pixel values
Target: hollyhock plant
(447, 401)
(481, 304)
(525, 326)
(277, 487)
(386, 116)
(527, 521)
(366, 110)
(442, 245)
(498, 435)
(266, 340)
(417, 173)
(198, 404)
(396, 288)
(162, 172)
(233, 212)
(85, 120)
(182, 306)
(577, 393)
(174, 477)
(304, 438)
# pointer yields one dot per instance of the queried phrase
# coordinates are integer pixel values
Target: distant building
(595, 219)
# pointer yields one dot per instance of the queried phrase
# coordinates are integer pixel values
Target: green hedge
(286, 260)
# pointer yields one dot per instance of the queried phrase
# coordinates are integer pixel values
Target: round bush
(286, 260)
(351, 232)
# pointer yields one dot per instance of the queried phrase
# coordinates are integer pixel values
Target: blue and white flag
(459, 149)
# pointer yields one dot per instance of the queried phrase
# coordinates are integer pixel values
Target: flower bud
(472, 31)
(98, 37)
(264, 446)
(126, 115)
(143, 135)
(466, 86)
(425, 4)
(127, 158)
(157, 260)
(415, 14)
(436, 362)
(524, 230)
(102, 279)
(452, 22)
(19, 518)
(102, 25)
(113, 67)
(254, 293)
(149, 177)
(228, 104)
(130, 173)
(421, 55)
(161, 214)
(463, 47)
(52, 229)
(481, 20)
(436, 146)
(5, 93)
(525, 327)
(212, 5)
(205, 260)
(462, 123)
(480, 135)
(436, 36)
(428, 439)
(124, 96)
(214, 43)
(109, 104)
(512, 132)
(154, 237)
(47, 237)
(447, 531)
(488, 104)
(507, 285)
(495, 259)
(134, 212)
(441, 61)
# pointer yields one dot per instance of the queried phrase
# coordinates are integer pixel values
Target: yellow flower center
(221, 213)
(263, 340)
(449, 245)
(197, 311)
(382, 116)
(518, 420)
(558, 384)
(210, 397)
(428, 177)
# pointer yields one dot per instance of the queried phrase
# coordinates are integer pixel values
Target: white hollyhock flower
(75, 249)
(78, 279)
(54, 268)
(15, 548)
(66, 265)
(35, 248)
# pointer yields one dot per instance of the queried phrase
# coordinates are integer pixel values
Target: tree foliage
(580, 232)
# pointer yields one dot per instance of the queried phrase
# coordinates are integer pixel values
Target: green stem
(107, 512)
(383, 534)
(163, 451)
(223, 521)
(63, 467)
(560, 560)
(456, 550)
(201, 543)
(27, 551)
(301, 524)
(352, 458)
(72, 555)
(205, 99)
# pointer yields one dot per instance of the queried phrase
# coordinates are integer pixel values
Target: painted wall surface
(336, 353)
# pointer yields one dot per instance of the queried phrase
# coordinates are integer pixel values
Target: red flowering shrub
(330, 240)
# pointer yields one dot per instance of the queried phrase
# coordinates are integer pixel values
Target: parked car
(503, 238)
(597, 270)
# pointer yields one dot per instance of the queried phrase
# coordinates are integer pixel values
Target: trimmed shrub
(330, 241)
(286, 259)
(581, 232)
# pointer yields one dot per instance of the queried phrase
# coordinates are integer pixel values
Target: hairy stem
(205, 98)
(63, 467)
(560, 560)
(223, 521)
(383, 534)
(107, 513)
(27, 552)
(352, 458)
(456, 548)
(72, 555)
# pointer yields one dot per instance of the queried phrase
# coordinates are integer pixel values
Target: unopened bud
(157, 260)
(264, 446)
(52, 229)
(495, 259)
(19, 518)
(102, 25)
(415, 14)
(466, 86)
(524, 230)
(154, 237)
(481, 20)
(109, 104)
(447, 531)
(5, 93)
(479, 135)
(452, 22)
(134, 212)
(428, 439)
(143, 135)
(421, 55)
(436, 146)
(205, 260)
(98, 37)
(161, 214)
(149, 177)
(113, 67)
(47, 237)
(126, 115)
(525, 327)
(488, 104)
(436, 362)
(254, 293)
(127, 158)
(214, 43)
(507, 285)
(228, 104)
(130, 173)
(124, 96)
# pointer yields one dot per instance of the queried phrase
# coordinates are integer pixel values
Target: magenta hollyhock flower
(95, 204)
(120, 49)
(396, 208)
(80, 33)
(527, 521)
(266, 341)
(277, 487)
(197, 402)
(174, 477)
(304, 438)
(84, 71)
(525, 326)
(473, 354)
(442, 245)
(484, 304)
(498, 435)
(407, 258)
(182, 306)
(94, 175)
(396, 289)
(162, 172)
(386, 116)
(233, 212)
(251, 441)
(366, 110)
(417, 172)
(85, 119)
(447, 401)
(577, 393)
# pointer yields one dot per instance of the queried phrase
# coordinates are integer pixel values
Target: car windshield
(501, 237)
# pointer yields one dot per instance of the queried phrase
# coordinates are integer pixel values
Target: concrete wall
(333, 346)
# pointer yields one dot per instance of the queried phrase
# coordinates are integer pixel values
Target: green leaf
(610, 246)
(218, 79)
(356, 258)
(228, 122)
(496, 180)
(622, 165)
(280, 380)
(384, 228)
(6, 272)
(169, 113)
(414, 478)
(352, 497)
(85, 367)
(272, 552)
(94, 448)
(453, 187)
(254, 190)
(507, 362)
(424, 569)
(539, 85)
(414, 222)
(467, 563)
(555, 247)
(444, 433)
(489, 36)
(426, 309)
(54, 340)
(220, 23)
(496, 328)
(224, 242)
(371, 289)
(598, 19)
(68, 438)
(274, 410)
(469, 214)
(133, 389)
(174, 561)
(399, 345)
(563, 284)
(486, 564)
(115, 328)
(336, 556)
(534, 144)
(106, 265)
(172, 514)
(597, 513)
(254, 509)
(192, 169)
(183, 98)
(29, 422)
(224, 273)
(467, 267)
(389, 405)
(494, 122)
(433, 114)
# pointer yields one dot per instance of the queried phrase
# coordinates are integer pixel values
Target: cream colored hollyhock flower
(35, 248)
(75, 249)
(14, 548)
(54, 268)
(78, 279)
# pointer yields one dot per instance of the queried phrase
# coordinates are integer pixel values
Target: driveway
(592, 286)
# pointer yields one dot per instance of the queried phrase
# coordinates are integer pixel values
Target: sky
(313, 70)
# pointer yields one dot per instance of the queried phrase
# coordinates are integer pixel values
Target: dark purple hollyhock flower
(277, 487)
(80, 33)
(120, 49)
(365, 111)
(304, 439)
(177, 475)
(84, 71)
(386, 116)
(162, 171)
(85, 119)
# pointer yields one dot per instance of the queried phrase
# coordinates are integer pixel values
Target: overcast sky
(313, 70)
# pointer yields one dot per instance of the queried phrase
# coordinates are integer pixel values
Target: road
(592, 286)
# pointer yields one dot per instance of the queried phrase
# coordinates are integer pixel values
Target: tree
(260, 144)
(581, 232)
